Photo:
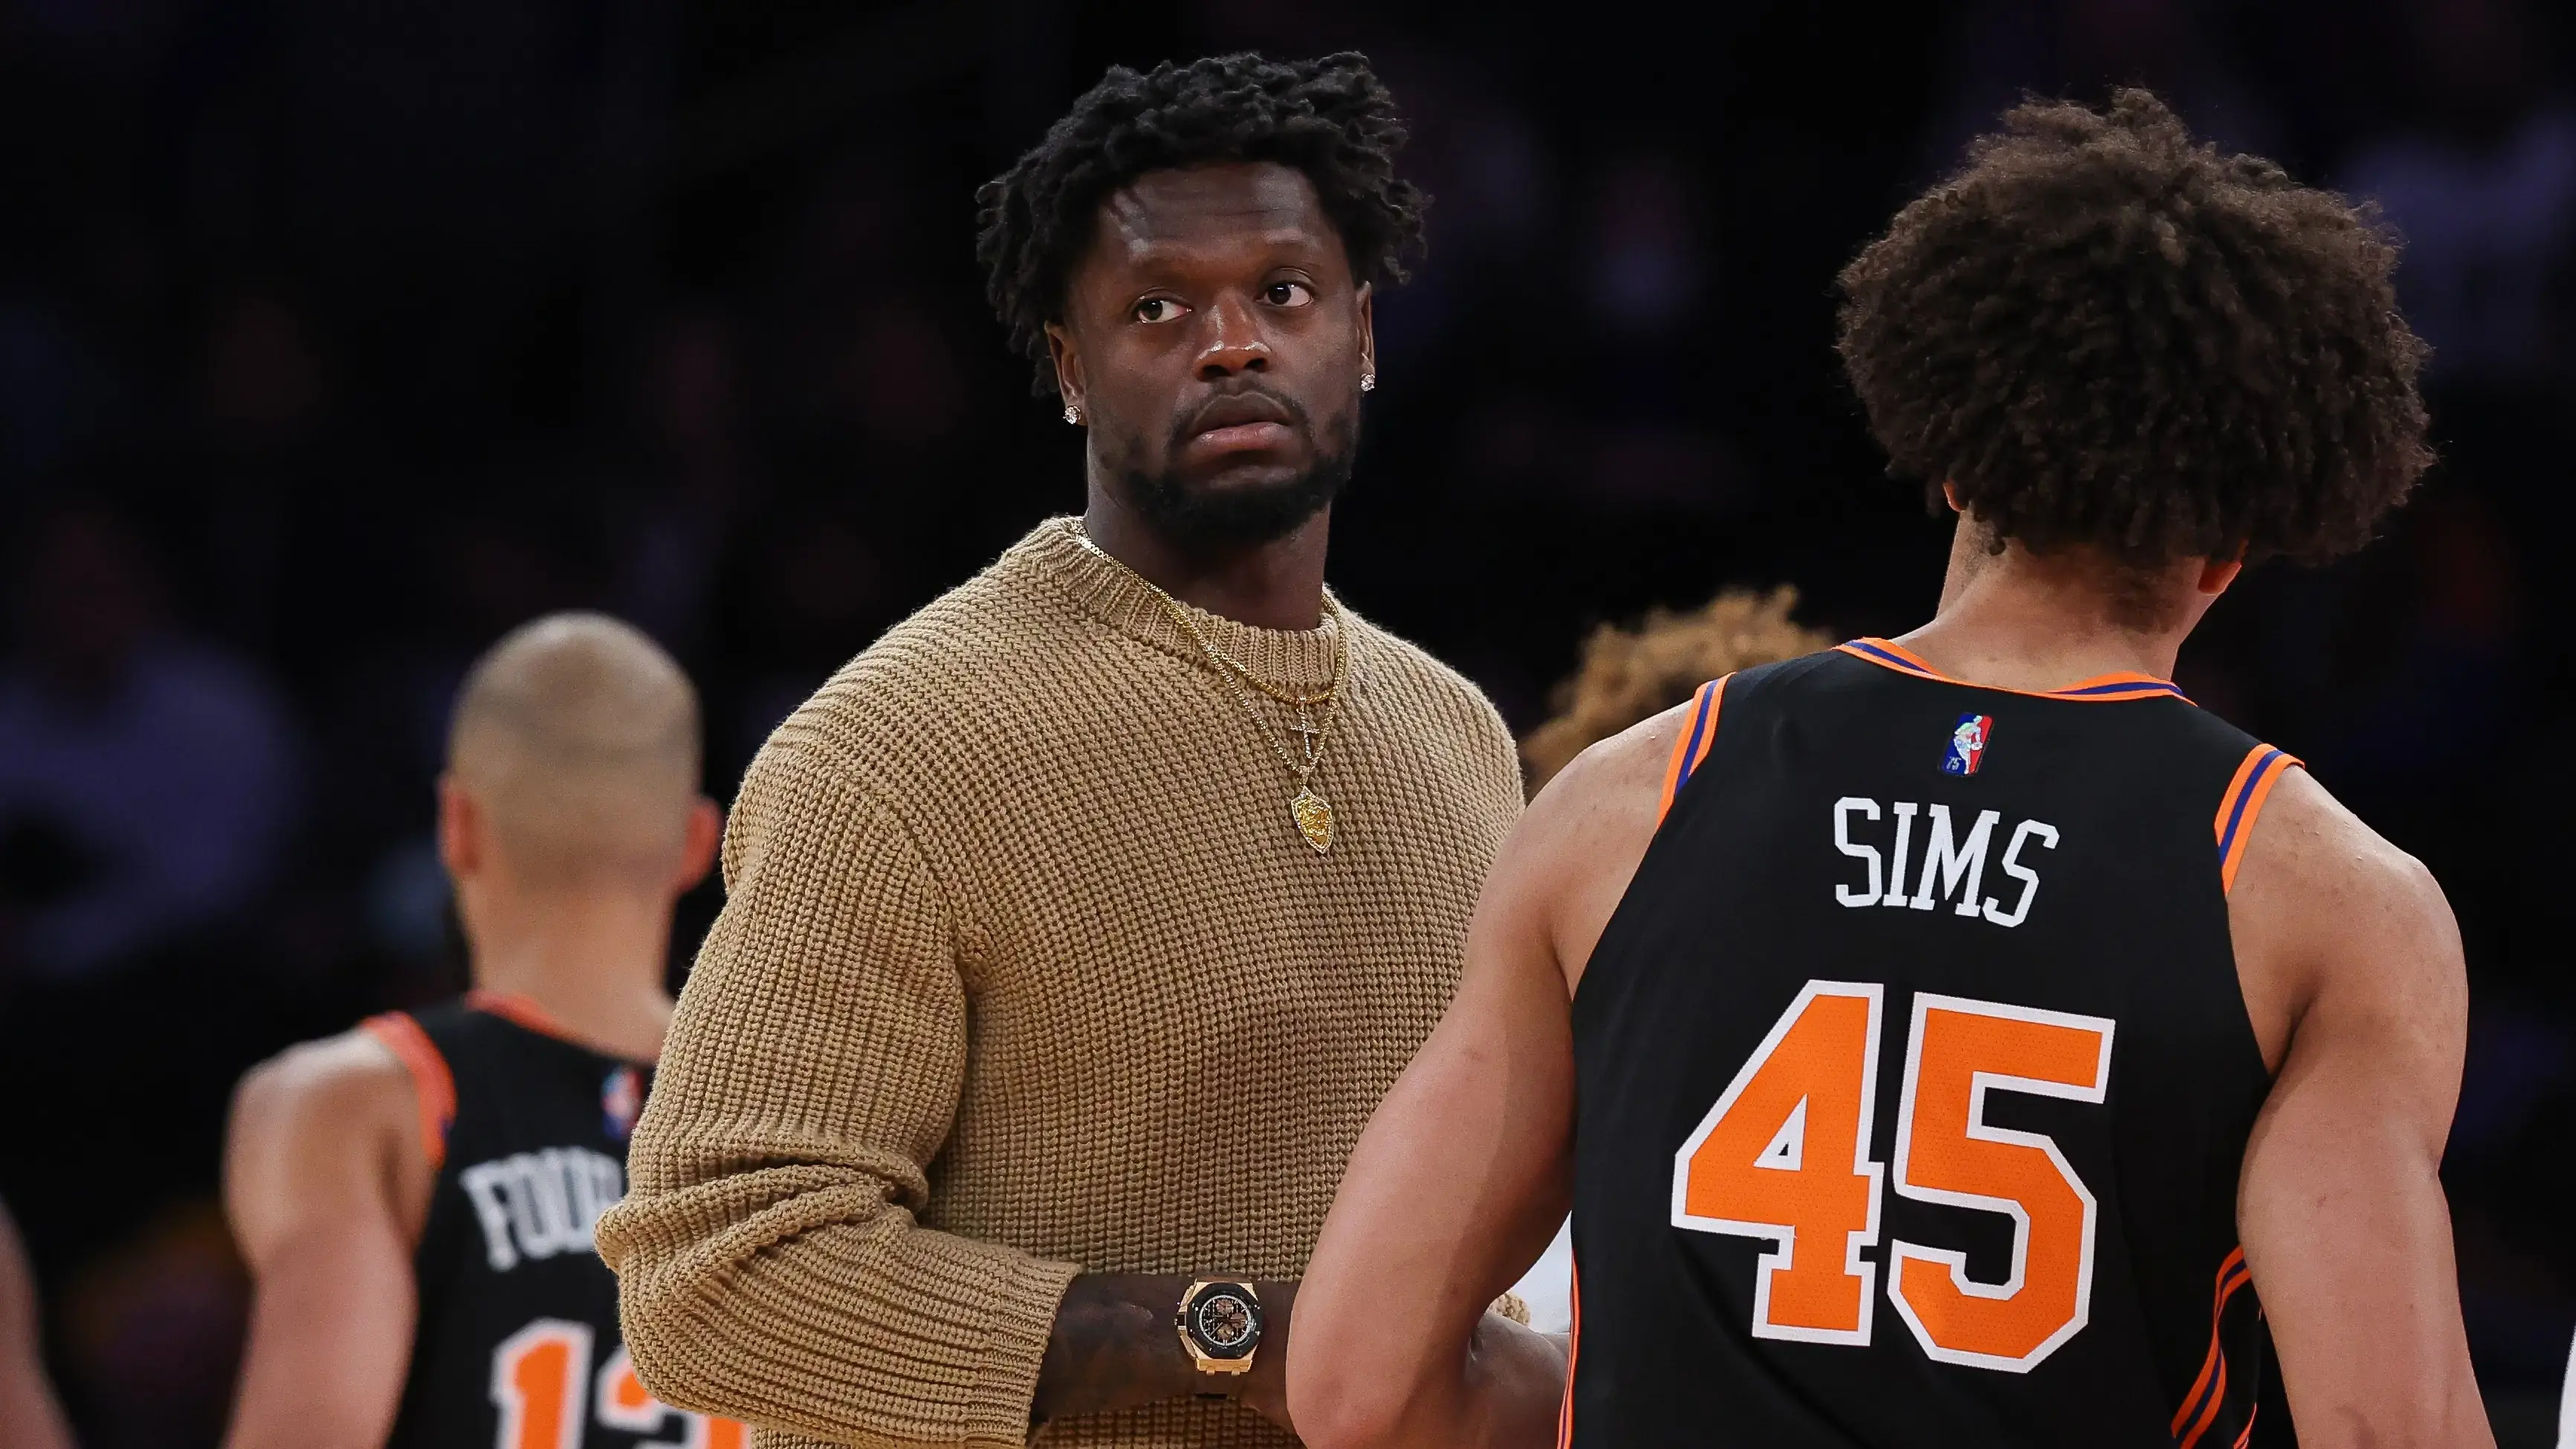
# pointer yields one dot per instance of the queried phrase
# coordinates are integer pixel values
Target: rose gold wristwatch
(1220, 1324)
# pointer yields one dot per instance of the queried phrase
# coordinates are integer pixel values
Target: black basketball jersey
(1914, 1076)
(517, 1345)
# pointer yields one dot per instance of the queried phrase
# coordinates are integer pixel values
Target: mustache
(1185, 421)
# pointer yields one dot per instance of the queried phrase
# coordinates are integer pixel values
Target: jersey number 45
(1784, 1156)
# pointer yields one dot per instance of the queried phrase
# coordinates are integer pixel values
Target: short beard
(1223, 518)
(1197, 519)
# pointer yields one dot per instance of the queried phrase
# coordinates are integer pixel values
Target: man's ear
(463, 829)
(1950, 495)
(1368, 330)
(2217, 574)
(1067, 357)
(698, 852)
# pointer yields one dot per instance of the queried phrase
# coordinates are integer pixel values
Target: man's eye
(1287, 294)
(1158, 309)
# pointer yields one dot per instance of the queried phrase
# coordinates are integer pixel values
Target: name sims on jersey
(538, 1204)
(1952, 868)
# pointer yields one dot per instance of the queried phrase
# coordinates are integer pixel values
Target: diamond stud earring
(1368, 382)
(1073, 415)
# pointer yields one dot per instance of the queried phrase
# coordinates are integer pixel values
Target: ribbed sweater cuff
(1022, 1318)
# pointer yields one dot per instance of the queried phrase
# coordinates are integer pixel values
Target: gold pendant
(1314, 818)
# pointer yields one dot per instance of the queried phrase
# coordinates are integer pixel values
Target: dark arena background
(335, 339)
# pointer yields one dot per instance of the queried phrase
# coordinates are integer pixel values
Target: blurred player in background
(28, 1412)
(415, 1198)
(1933, 1050)
(1628, 675)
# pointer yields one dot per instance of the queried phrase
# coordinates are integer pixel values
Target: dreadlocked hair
(2102, 333)
(1330, 118)
(1628, 675)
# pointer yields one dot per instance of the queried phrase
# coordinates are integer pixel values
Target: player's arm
(27, 1403)
(326, 1181)
(1464, 1172)
(2345, 1227)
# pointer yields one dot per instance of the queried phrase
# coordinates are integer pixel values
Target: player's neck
(1273, 585)
(591, 961)
(2016, 620)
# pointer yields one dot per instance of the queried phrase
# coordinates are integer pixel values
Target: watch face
(1226, 1322)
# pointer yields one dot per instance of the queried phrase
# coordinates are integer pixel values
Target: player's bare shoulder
(352, 1079)
(1580, 840)
(2324, 900)
(1621, 776)
(342, 1104)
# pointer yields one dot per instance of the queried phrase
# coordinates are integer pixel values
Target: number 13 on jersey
(1784, 1155)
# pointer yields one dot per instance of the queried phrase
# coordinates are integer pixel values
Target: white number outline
(1784, 1236)
(575, 1337)
(612, 1414)
(588, 1395)
(1979, 1084)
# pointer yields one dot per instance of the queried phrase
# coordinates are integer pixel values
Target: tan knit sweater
(1024, 970)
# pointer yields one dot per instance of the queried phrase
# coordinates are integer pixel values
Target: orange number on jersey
(1784, 1155)
(1769, 1161)
(1946, 1153)
(540, 1376)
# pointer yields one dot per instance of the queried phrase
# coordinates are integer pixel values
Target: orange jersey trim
(2200, 1406)
(433, 1086)
(1691, 746)
(517, 1010)
(1573, 1353)
(522, 1012)
(2100, 688)
(2262, 768)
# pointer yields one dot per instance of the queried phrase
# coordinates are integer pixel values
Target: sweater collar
(1293, 659)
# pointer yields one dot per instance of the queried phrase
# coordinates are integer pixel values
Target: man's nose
(1236, 342)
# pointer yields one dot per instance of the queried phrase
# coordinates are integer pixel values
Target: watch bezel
(1211, 1355)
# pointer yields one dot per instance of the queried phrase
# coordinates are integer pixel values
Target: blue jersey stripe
(2236, 807)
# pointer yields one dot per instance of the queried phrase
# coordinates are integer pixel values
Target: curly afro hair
(1628, 675)
(1330, 118)
(2101, 333)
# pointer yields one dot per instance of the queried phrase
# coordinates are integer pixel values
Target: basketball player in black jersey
(1965, 1029)
(415, 1198)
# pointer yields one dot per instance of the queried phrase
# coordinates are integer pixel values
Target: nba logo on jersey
(621, 1100)
(1968, 744)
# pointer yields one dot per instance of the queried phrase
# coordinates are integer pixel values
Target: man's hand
(1116, 1346)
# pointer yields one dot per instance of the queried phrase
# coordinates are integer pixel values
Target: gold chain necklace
(1308, 808)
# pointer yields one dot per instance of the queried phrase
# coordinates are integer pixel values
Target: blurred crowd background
(336, 339)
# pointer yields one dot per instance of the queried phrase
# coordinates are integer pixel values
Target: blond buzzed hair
(1629, 675)
(578, 735)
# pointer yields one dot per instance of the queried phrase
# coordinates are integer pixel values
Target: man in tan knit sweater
(1075, 928)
